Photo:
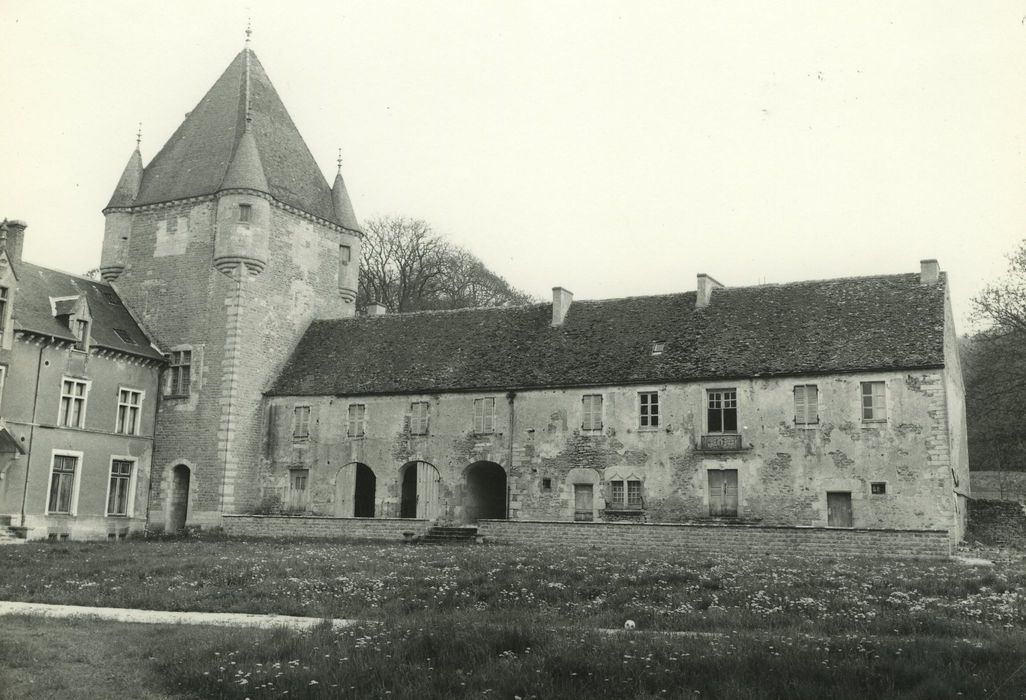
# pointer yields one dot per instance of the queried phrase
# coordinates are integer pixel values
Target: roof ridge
(76, 275)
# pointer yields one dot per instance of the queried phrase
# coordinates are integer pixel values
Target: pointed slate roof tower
(128, 186)
(340, 198)
(213, 149)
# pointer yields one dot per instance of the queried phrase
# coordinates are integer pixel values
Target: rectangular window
(301, 423)
(120, 481)
(591, 412)
(484, 416)
(345, 254)
(806, 404)
(3, 310)
(878, 488)
(546, 484)
(180, 374)
(649, 417)
(419, 418)
(722, 410)
(626, 494)
(129, 406)
(245, 213)
(62, 484)
(73, 398)
(81, 331)
(357, 420)
(874, 401)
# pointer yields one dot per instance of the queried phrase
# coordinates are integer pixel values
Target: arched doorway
(418, 497)
(355, 487)
(178, 498)
(485, 492)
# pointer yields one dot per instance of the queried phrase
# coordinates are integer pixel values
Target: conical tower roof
(128, 186)
(196, 159)
(344, 213)
(246, 170)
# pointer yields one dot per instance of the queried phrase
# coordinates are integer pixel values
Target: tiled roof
(32, 310)
(841, 325)
(195, 159)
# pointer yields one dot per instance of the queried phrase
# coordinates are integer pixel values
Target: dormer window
(3, 309)
(80, 328)
(245, 213)
(658, 346)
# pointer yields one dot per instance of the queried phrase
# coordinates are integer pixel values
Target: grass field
(505, 622)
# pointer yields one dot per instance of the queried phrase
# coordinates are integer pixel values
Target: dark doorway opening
(486, 492)
(363, 492)
(839, 509)
(419, 491)
(178, 506)
(408, 501)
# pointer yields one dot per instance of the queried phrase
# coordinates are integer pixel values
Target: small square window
(878, 488)
(546, 484)
(658, 346)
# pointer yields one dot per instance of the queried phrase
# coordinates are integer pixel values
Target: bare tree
(406, 266)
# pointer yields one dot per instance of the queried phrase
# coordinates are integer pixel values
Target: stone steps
(11, 535)
(450, 535)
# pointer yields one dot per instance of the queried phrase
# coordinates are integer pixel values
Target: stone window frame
(179, 372)
(722, 398)
(878, 411)
(132, 480)
(626, 493)
(878, 488)
(649, 412)
(591, 415)
(76, 480)
(302, 417)
(64, 415)
(484, 415)
(803, 416)
(126, 408)
(356, 421)
(245, 213)
(420, 417)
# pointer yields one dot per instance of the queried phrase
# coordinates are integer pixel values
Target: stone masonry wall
(339, 528)
(784, 470)
(712, 539)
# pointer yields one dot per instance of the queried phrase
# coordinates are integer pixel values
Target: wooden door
(839, 509)
(723, 493)
(427, 491)
(178, 509)
(584, 502)
(345, 490)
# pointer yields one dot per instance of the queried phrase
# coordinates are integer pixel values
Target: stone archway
(178, 498)
(355, 491)
(485, 492)
(418, 490)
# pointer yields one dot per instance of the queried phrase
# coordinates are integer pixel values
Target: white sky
(614, 148)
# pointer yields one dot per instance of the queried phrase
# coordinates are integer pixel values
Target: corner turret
(117, 227)
(243, 211)
(349, 243)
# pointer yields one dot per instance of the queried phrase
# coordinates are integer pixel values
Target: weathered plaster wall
(957, 435)
(784, 470)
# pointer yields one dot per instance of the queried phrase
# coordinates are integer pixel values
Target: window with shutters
(120, 487)
(806, 404)
(649, 409)
(591, 412)
(357, 420)
(301, 423)
(419, 415)
(484, 416)
(129, 408)
(874, 402)
(73, 403)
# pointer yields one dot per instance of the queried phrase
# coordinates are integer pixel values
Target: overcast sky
(614, 148)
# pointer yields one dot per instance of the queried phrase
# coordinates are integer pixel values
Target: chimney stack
(929, 271)
(15, 239)
(561, 300)
(706, 285)
(376, 309)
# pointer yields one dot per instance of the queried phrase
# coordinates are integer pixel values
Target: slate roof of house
(196, 158)
(32, 311)
(841, 325)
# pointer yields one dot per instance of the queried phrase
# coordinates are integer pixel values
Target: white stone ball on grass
(629, 625)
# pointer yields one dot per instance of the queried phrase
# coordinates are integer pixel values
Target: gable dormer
(73, 311)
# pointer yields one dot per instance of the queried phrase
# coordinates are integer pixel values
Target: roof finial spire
(249, 116)
(339, 160)
(249, 30)
(138, 137)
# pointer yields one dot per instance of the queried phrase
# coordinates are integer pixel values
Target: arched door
(419, 491)
(355, 488)
(485, 492)
(178, 499)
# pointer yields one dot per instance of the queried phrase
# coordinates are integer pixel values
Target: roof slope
(32, 311)
(195, 159)
(842, 325)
